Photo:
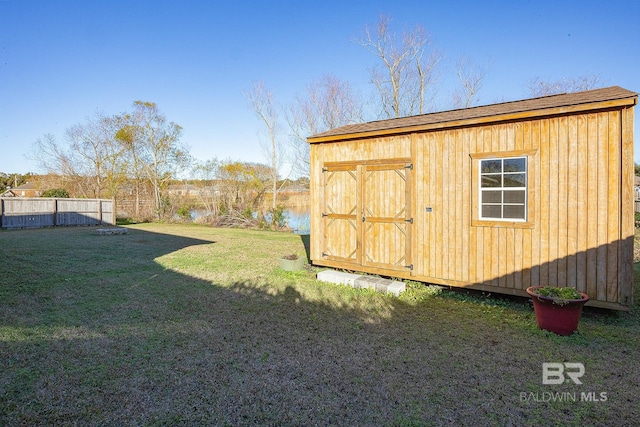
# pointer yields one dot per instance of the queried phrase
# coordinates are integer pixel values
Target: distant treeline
(226, 192)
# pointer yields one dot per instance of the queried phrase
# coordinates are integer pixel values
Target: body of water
(298, 218)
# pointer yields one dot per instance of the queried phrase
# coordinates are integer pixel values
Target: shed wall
(580, 230)
(577, 236)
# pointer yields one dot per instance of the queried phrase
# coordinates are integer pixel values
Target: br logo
(554, 373)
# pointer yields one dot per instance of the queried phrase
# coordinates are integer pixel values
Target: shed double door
(366, 213)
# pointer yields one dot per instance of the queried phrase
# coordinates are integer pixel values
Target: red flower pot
(561, 319)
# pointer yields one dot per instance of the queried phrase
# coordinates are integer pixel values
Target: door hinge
(410, 220)
(409, 166)
(324, 169)
(410, 266)
(324, 214)
(324, 255)
(364, 219)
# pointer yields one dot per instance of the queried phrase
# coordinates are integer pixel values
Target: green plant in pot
(558, 309)
(292, 262)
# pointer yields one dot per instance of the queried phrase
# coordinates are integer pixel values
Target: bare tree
(53, 157)
(327, 103)
(127, 135)
(408, 69)
(104, 152)
(205, 180)
(540, 87)
(90, 160)
(262, 102)
(154, 148)
(97, 154)
(241, 189)
(471, 76)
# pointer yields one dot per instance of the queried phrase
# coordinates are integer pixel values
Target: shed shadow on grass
(142, 344)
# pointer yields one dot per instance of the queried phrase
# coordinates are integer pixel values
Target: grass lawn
(191, 325)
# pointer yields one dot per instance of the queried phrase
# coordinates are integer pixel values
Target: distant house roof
(26, 189)
(183, 187)
(26, 186)
(576, 101)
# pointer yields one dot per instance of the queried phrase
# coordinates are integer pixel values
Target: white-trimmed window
(503, 189)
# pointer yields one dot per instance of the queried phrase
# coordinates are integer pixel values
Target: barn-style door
(340, 213)
(367, 213)
(386, 216)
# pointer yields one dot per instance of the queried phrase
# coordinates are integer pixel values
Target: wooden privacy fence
(21, 212)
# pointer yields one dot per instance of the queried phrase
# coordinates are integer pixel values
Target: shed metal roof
(546, 105)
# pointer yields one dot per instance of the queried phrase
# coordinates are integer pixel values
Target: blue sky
(63, 60)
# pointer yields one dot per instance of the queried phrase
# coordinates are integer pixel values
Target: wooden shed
(497, 198)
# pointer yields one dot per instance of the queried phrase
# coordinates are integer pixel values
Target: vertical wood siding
(385, 207)
(336, 234)
(340, 214)
(580, 230)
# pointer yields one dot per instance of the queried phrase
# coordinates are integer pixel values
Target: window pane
(514, 196)
(503, 188)
(492, 197)
(514, 211)
(491, 211)
(491, 166)
(491, 181)
(515, 180)
(515, 165)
